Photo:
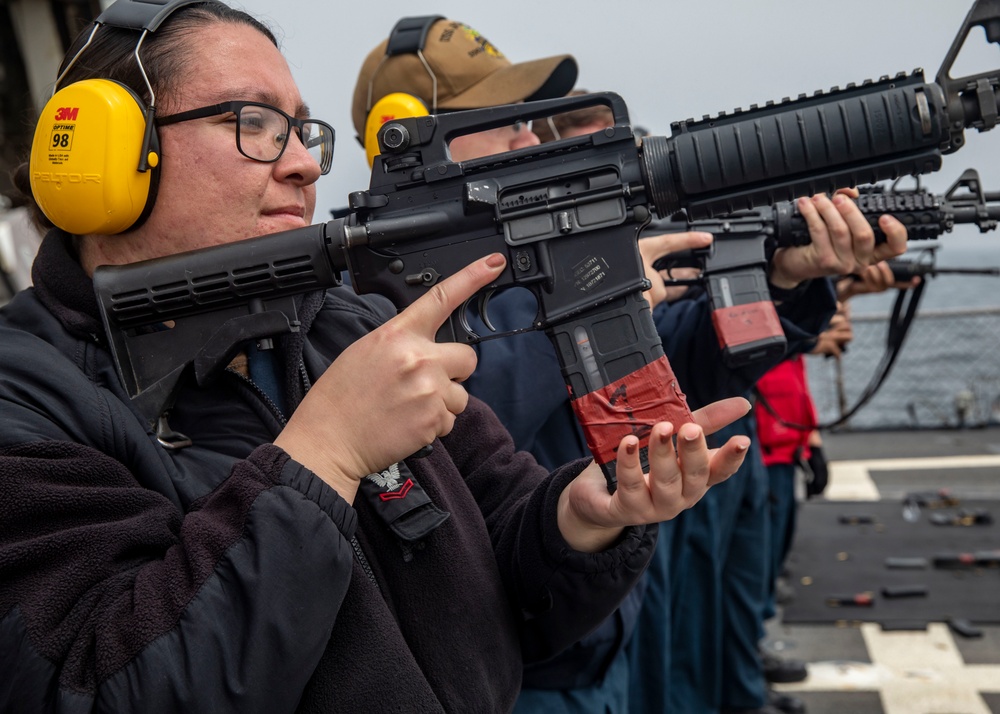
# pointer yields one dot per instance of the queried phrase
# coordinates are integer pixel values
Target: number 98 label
(61, 138)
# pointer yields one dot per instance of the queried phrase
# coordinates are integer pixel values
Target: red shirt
(786, 402)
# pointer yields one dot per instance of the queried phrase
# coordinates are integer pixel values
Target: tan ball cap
(471, 73)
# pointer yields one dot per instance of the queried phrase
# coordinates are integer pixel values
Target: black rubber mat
(992, 700)
(843, 555)
(841, 702)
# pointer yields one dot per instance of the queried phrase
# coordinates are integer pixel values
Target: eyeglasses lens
(318, 141)
(262, 134)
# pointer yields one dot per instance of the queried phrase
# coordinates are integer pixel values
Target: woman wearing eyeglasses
(286, 554)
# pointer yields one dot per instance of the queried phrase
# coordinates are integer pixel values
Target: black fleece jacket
(226, 577)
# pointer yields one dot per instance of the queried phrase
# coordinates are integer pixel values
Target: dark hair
(558, 125)
(164, 54)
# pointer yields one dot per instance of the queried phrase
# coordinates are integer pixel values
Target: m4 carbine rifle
(734, 267)
(566, 214)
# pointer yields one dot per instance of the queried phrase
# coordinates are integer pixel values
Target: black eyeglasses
(262, 131)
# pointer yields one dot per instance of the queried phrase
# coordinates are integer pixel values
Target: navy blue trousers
(718, 584)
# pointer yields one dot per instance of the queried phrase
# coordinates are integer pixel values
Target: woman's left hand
(591, 519)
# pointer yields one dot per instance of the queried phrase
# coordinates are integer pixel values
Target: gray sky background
(669, 60)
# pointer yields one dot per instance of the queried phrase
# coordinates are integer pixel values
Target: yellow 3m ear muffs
(94, 157)
(85, 156)
(397, 105)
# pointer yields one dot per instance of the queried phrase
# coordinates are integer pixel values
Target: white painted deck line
(852, 481)
(925, 462)
(913, 672)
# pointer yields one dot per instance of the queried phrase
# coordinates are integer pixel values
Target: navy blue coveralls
(625, 664)
(714, 587)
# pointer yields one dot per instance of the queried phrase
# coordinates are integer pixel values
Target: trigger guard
(463, 322)
(484, 307)
(459, 321)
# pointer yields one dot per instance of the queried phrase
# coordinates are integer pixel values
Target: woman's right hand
(390, 393)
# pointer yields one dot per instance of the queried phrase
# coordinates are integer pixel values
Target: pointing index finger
(432, 309)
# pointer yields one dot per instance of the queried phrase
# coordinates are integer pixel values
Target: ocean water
(947, 373)
(964, 248)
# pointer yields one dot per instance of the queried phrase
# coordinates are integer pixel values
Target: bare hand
(390, 393)
(874, 279)
(676, 292)
(590, 518)
(842, 241)
(652, 248)
(835, 337)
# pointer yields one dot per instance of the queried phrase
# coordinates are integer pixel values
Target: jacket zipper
(275, 410)
(363, 561)
(355, 545)
(306, 382)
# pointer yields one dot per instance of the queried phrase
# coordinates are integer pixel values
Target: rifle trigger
(484, 304)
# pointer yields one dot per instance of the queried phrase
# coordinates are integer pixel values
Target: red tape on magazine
(740, 324)
(631, 405)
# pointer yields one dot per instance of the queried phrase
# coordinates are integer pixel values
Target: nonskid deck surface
(855, 665)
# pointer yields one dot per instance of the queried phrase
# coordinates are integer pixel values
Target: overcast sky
(669, 60)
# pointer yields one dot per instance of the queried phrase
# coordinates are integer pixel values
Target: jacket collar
(64, 288)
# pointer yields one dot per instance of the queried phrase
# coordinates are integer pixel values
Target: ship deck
(854, 664)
